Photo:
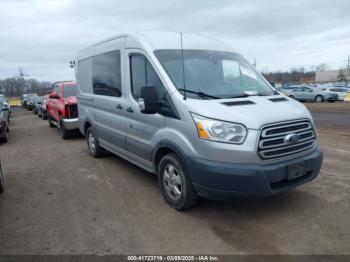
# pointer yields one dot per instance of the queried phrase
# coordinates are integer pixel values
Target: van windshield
(215, 73)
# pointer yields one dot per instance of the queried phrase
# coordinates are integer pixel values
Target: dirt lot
(58, 200)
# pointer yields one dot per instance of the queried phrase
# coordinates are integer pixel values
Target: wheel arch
(87, 124)
(166, 147)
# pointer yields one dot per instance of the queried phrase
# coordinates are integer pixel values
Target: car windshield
(215, 73)
(70, 90)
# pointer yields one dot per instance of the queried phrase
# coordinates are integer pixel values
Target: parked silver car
(340, 91)
(41, 108)
(30, 101)
(194, 112)
(304, 93)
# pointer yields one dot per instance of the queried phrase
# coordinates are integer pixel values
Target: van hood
(253, 111)
(71, 100)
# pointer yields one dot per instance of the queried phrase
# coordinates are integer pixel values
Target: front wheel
(319, 99)
(44, 115)
(49, 119)
(4, 138)
(94, 147)
(175, 184)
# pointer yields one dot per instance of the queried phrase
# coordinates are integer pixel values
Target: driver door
(141, 128)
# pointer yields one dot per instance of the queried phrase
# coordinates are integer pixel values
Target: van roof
(153, 40)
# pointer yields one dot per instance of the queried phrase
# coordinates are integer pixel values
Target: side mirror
(149, 102)
(53, 95)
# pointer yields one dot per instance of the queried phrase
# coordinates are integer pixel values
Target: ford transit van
(195, 113)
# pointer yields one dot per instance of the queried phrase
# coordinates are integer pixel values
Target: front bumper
(71, 123)
(217, 180)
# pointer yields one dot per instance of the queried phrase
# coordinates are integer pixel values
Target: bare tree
(322, 67)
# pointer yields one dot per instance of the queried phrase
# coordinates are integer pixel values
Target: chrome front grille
(273, 144)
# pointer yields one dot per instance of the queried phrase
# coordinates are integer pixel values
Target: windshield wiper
(201, 94)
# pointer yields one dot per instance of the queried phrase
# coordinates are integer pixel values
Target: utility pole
(349, 63)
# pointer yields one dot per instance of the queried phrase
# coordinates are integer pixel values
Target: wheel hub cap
(92, 143)
(172, 182)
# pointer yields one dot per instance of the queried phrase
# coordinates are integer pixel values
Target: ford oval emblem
(292, 138)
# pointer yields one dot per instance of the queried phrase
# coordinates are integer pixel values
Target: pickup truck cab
(62, 110)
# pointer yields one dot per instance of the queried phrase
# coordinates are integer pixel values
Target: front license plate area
(296, 170)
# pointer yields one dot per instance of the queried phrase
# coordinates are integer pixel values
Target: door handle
(129, 109)
(119, 106)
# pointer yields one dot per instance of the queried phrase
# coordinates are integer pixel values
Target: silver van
(194, 112)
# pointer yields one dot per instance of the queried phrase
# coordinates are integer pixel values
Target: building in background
(330, 76)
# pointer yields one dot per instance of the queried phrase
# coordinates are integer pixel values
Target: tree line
(17, 86)
(293, 76)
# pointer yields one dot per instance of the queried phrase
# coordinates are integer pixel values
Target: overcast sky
(43, 35)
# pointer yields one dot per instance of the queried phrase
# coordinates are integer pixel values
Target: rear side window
(143, 74)
(84, 75)
(106, 74)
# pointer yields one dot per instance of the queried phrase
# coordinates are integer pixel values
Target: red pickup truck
(62, 108)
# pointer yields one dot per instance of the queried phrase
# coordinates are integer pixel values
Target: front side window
(143, 74)
(106, 74)
(70, 90)
(216, 73)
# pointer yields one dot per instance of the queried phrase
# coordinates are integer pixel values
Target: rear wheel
(94, 147)
(175, 183)
(319, 99)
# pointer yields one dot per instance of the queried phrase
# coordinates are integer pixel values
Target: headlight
(216, 130)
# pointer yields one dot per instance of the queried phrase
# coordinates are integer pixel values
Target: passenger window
(143, 74)
(106, 74)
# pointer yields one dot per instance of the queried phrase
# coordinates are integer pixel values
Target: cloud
(42, 36)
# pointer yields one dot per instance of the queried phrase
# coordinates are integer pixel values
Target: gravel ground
(58, 200)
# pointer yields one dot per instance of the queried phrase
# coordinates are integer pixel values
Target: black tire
(188, 197)
(4, 138)
(65, 133)
(44, 116)
(49, 119)
(319, 98)
(96, 150)
(1, 180)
